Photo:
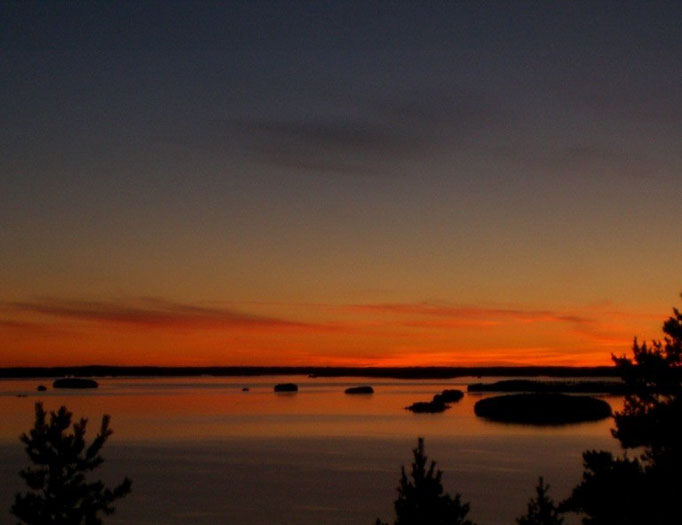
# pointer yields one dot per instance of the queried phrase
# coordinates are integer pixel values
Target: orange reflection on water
(153, 409)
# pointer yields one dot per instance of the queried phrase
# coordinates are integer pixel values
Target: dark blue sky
(80, 74)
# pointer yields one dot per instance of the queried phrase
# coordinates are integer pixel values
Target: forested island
(566, 387)
(542, 409)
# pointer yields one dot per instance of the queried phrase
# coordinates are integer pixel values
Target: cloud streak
(16, 325)
(360, 136)
(152, 312)
(365, 334)
(475, 315)
(366, 134)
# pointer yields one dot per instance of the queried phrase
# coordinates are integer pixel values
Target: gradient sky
(338, 183)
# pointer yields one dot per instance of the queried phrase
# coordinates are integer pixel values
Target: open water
(203, 451)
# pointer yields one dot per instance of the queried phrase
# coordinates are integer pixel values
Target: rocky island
(286, 387)
(439, 403)
(74, 382)
(359, 390)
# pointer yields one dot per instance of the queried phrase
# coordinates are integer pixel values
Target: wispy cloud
(153, 312)
(361, 138)
(344, 132)
(19, 325)
(377, 334)
(571, 158)
(480, 315)
(532, 355)
(593, 327)
(22, 329)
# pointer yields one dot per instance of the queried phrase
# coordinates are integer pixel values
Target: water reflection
(210, 408)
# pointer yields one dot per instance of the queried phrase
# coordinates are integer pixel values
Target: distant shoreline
(315, 371)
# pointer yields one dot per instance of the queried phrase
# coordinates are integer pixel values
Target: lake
(202, 451)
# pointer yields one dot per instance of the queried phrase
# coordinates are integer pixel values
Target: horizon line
(321, 371)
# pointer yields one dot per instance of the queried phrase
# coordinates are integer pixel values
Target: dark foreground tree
(644, 489)
(541, 509)
(59, 491)
(421, 500)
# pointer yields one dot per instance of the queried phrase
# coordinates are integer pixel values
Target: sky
(338, 183)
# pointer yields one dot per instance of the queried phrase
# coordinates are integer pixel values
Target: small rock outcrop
(542, 409)
(449, 396)
(428, 407)
(286, 387)
(359, 390)
(74, 382)
(439, 403)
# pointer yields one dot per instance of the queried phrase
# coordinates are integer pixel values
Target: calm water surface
(202, 451)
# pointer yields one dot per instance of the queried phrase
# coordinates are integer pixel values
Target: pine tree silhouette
(421, 500)
(646, 489)
(541, 509)
(59, 492)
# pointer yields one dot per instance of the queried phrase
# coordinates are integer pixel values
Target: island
(359, 390)
(449, 396)
(428, 407)
(74, 382)
(566, 387)
(439, 403)
(542, 409)
(286, 387)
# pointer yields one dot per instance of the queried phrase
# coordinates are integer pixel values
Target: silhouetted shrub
(541, 509)
(613, 491)
(59, 493)
(421, 500)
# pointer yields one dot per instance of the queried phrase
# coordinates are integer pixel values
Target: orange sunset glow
(149, 332)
